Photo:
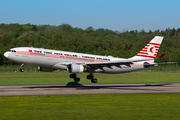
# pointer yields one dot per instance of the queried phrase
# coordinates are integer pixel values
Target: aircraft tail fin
(151, 49)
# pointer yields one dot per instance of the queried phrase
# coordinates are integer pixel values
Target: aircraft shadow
(104, 86)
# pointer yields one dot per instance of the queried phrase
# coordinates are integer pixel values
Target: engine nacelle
(75, 68)
(146, 65)
(45, 69)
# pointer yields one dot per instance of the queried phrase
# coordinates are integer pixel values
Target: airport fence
(163, 68)
(17, 69)
(35, 69)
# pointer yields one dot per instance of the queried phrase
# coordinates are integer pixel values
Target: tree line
(92, 41)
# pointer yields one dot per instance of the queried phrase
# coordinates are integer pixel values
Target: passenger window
(12, 51)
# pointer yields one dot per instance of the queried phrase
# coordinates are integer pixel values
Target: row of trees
(93, 41)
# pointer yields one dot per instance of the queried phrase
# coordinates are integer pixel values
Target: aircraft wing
(119, 62)
(109, 63)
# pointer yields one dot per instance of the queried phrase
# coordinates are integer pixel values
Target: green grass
(89, 107)
(12, 78)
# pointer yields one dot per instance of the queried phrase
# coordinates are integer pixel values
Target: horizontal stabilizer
(167, 63)
(161, 56)
(156, 64)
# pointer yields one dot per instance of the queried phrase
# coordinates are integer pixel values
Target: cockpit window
(12, 51)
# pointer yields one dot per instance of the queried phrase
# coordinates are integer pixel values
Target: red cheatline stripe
(59, 56)
(145, 56)
(154, 44)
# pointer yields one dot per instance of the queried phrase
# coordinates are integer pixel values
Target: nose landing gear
(22, 68)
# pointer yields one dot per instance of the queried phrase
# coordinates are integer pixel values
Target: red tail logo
(150, 50)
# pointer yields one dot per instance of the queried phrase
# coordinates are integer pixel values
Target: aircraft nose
(6, 54)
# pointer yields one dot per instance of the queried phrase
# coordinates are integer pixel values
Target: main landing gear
(89, 77)
(22, 68)
(76, 79)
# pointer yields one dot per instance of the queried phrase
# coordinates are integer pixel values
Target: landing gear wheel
(94, 80)
(89, 76)
(21, 70)
(77, 79)
(72, 75)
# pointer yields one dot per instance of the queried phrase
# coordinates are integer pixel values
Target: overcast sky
(108, 14)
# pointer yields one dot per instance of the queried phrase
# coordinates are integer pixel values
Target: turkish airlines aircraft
(49, 60)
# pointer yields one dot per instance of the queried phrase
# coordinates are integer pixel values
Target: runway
(75, 88)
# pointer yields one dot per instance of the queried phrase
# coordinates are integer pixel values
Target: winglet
(161, 56)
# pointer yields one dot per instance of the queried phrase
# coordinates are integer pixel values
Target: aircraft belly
(120, 69)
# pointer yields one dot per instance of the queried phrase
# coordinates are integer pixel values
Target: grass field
(12, 78)
(89, 107)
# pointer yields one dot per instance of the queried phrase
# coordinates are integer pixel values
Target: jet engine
(146, 65)
(45, 69)
(75, 68)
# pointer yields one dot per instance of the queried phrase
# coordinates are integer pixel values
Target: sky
(120, 15)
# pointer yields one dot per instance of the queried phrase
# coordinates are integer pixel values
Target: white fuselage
(56, 59)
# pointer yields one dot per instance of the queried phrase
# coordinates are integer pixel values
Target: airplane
(49, 60)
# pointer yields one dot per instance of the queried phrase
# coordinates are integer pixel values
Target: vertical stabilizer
(151, 49)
